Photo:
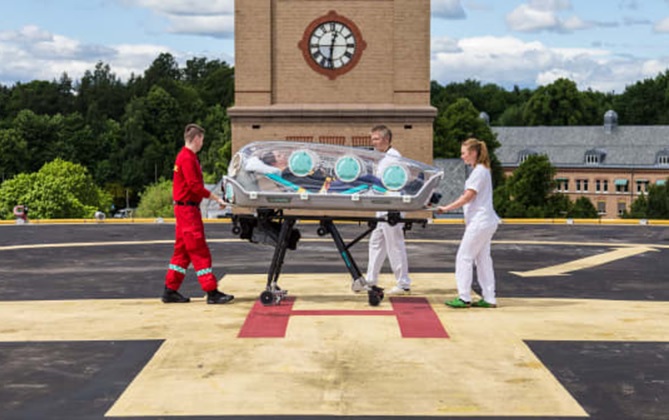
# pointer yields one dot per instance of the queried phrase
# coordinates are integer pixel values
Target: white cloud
(31, 53)
(628, 4)
(187, 7)
(528, 19)
(550, 5)
(448, 9)
(218, 26)
(662, 26)
(445, 44)
(542, 15)
(213, 18)
(509, 61)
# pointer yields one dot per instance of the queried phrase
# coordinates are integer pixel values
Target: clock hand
(332, 45)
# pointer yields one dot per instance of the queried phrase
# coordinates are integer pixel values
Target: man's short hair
(269, 158)
(384, 131)
(191, 131)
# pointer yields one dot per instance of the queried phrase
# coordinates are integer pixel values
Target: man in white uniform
(386, 240)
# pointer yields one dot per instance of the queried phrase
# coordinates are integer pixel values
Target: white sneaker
(359, 285)
(396, 290)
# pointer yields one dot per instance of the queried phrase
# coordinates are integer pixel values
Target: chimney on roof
(610, 121)
(485, 117)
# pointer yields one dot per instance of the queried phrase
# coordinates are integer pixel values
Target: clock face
(332, 45)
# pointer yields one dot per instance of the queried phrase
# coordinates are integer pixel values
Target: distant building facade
(611, 165)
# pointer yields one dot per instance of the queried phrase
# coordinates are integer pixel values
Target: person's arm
(465, 198)
(217, 199)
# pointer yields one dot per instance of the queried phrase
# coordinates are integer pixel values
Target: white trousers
(475, 249)
(388, 241)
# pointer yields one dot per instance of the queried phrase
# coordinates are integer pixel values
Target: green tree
(559, 103)
(41, 97)
(5, 94)
(42, 134)
(529, 191)
(151, 136)
(216, 153)
(512, 117)
(653, 206)
(101, 94)
(646, 102)
(459, 122)
(59, 189)
(583, 209)
(13, 153)
(213, 79)
(156, 201)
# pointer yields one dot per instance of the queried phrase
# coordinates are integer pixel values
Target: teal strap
(359, 188)
(177, 268)
(379, 189)
(279, 180)
(204, 271)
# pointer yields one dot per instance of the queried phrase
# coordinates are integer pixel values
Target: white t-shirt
(480, 210)
(391, 157)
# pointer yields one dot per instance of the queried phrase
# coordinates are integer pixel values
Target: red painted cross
(415, 317)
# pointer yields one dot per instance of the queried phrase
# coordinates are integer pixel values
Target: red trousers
(190, 246)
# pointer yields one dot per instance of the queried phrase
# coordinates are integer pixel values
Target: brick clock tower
(326, 71)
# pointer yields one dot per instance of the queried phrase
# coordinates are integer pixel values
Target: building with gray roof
(610, 164)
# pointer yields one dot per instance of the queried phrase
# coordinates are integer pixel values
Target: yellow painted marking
(327, 240)
(329, 365)
(585, 263)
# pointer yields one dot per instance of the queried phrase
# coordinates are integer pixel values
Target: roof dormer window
(663, 158)
(594, 157)
(524, 154)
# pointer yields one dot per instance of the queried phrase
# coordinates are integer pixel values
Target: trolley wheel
(236, 230)
(375, 295)
(321, 231)
(267, 298)
(393, 218)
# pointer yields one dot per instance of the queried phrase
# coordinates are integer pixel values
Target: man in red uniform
(191, 246)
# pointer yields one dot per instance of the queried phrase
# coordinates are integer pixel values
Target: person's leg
(198, 250)
(199, 253)
(397, 254)
(470, 247)
(377, 254)
(484, 267)
(179, 262)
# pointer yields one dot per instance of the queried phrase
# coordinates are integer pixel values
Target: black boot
(172, 296)
(218, 297)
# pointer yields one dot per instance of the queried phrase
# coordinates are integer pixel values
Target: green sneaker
(483, 304)
(458, 303)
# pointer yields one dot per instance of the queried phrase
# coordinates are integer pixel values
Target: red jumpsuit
(191, 246)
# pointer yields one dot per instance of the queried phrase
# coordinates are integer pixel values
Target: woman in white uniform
(481, 223)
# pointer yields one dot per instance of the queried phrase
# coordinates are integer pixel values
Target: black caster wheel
(267, 298)
(236, 230)
(393, 218)
(379, 291)
(373, 298)
(375, 295)
(321, 231)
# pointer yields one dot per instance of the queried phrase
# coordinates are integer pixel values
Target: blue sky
(602, 45)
